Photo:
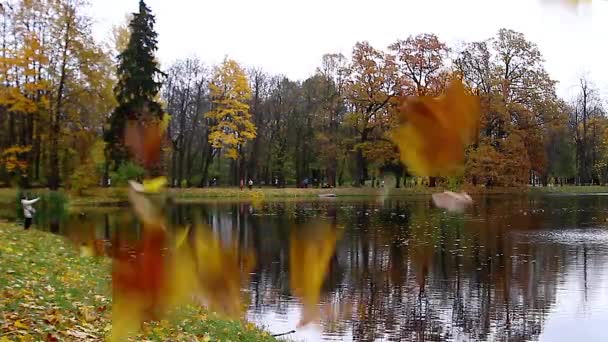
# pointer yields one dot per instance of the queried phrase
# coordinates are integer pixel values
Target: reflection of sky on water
(279, 323)
(579, 313)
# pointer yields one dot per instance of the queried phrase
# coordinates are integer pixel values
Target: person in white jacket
(28, 210)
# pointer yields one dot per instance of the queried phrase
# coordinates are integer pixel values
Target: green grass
(571, 189)
(48, 292)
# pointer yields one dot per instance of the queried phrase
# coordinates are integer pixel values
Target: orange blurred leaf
(435, 131)
(144, 140)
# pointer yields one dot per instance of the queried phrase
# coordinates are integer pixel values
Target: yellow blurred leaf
(155, 185)
(435, 131)
(311, 249)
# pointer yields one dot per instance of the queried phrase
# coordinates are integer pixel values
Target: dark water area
(512, 268)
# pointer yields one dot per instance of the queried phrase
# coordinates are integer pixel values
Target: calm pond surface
(512, 268)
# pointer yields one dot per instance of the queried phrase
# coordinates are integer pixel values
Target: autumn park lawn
(50, 293)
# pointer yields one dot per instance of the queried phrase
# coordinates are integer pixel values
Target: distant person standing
(28, 210)
(250, 184)
(242, 184)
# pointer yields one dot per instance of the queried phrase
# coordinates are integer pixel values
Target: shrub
(126, 172)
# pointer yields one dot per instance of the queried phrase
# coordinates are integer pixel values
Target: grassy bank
(50, 293)
(113, 196)
(570, 189)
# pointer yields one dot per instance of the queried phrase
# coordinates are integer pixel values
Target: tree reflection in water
(402, 269)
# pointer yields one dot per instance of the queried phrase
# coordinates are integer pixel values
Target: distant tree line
(66, 98)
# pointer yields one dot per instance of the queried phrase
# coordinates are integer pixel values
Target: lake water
(512, 268)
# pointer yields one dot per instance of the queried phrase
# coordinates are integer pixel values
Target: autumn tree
(257, 161)
(371, 84)
(421, 62)
(586, 114)
(230, 121)
(186, 95)
(56, 82)
(333, 72)
(518, 105)
(138, 83)
(421, 65)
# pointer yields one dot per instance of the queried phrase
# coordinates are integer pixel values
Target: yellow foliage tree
(12, 159)
(231, 124)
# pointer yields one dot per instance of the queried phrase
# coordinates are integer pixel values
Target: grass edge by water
(118, 196)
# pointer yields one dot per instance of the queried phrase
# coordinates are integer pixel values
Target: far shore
(118, 195)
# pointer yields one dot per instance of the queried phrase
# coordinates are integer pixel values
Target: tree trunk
(361, 168)
(56, 117)
(174, 166)
(206, 162)
(180, 166)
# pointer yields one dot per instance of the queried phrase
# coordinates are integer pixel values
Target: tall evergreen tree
(138, 83)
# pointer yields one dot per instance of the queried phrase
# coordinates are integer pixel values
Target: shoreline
(118, 196)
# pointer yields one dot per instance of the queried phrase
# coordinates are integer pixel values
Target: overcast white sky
(290, 36)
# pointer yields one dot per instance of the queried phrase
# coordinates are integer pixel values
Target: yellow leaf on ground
(20, 325)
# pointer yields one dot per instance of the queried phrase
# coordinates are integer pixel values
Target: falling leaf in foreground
(435, 131)
(570, 4)
(139, 272)
(311, 249)
(452, 202)
(212, 273)
(138, 283)
(144, 139)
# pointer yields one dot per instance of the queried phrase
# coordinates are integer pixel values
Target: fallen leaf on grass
(88, 313)
(19, 325)
(79, 334)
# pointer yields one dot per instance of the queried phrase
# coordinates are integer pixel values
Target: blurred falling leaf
(151, 281)
(155, 185)
(144, 140)
(86, 251)
(146, 208)
(181, 234)
(138, 283)
(572, 3)
(451, 201)
(210, 272)
(435, 131)
(220, 273)
(311, 249)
